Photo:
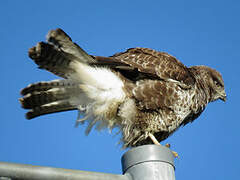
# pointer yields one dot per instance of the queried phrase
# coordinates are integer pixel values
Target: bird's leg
(155, 141)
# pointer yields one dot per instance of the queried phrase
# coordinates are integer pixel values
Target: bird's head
(212, 82)
(216, 85)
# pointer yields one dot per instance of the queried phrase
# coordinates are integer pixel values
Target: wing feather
(149, 62)
(154, 94)
(57, 53)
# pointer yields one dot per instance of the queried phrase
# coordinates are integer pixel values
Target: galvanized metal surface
(29, 172)
(149, 162)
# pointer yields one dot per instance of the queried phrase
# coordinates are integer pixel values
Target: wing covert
(154, 63)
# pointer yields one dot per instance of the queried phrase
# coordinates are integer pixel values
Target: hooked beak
(223, 97)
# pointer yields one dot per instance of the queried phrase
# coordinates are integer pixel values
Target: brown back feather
(149, 63)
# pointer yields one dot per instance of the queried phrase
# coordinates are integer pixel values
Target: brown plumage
(143, 92)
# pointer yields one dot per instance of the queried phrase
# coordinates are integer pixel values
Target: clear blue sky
(196, 32)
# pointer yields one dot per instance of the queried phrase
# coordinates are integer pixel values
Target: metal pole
(146, 162)
(29, 172)
(149, 162)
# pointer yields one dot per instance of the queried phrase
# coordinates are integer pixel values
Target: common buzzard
(147, 94)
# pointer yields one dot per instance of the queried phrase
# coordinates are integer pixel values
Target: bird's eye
(217, 83)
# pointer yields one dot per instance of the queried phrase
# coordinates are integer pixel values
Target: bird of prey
(147, 94)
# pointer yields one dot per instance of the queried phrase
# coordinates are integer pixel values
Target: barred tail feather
(57, 106)
(53, 96)
(44, 86)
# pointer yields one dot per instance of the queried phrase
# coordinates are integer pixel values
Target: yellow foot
(167, 145)
(155, 141)
(175, 154)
